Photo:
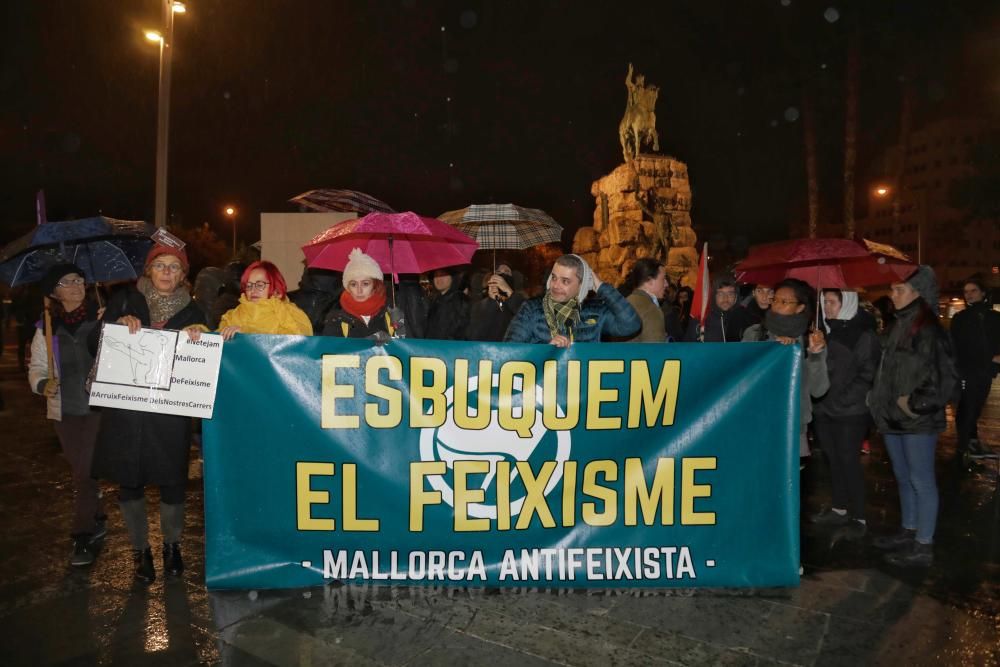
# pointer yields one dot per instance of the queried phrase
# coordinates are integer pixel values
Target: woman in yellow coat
(264, 306)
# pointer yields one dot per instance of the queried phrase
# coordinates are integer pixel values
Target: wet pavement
(850, 608)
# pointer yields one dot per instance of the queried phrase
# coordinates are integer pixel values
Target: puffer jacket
(918, 365)
(606, 314)
(853, 353)
(273, 315)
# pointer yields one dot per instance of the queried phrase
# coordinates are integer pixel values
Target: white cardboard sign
(157, 370)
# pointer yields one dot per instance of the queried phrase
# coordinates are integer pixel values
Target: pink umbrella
(399, 242)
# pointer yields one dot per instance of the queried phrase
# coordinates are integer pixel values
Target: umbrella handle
(392, 271)
(49, 349)
(97, 293)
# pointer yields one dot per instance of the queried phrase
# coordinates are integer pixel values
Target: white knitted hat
(360, 266)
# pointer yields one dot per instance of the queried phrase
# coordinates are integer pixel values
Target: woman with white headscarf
(568, 312)
(841, 417)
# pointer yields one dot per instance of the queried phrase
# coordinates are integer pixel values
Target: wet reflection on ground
(850, 608)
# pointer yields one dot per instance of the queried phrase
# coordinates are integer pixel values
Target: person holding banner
(362, 312)
(135, 449)
(65, 335)
(644, 288)
(264, 306)
(914, 382)
(568, 313)
(787, 321)
(725, 321)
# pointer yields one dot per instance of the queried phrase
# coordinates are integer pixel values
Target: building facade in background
(912, 202)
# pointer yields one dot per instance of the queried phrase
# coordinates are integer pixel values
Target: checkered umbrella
(504, 226)
(348, 201)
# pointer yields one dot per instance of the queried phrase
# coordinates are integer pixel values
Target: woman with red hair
(264, 306)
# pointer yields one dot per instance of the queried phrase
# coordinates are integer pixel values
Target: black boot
(172, 563)
(143, 560)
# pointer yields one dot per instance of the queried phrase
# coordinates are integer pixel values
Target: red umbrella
(841, 263)
(399, 242)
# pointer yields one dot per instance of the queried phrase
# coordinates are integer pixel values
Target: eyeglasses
(166, 268)
(786, 302)
(71, 282)
(260, 284)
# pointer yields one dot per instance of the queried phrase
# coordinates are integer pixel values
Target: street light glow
(881, 191)
(230, 211)
(178, 8)
(154, 36)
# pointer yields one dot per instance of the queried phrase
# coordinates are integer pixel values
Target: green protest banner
(473, 464)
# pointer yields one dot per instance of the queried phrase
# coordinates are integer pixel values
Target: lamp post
(230, 212)
(166, 40)
(883, 191)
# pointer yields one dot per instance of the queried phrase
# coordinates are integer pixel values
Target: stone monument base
(643, 209)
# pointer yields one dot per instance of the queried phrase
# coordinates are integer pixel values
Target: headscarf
(848, 308)
(559, 315)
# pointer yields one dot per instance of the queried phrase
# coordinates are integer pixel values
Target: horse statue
(638, 126)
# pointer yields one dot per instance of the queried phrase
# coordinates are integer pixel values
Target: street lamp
(165, 40)
(230, 212)
(881, 191)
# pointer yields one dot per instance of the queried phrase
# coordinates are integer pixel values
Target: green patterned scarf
(558, 314)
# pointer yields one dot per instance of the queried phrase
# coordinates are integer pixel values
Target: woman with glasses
(137, 449)
(73, 317)
(264, 306)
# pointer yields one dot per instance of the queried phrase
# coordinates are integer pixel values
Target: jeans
(841, 439)
(912, 456)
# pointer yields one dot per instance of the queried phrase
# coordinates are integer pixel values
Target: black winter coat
(975, 333)
(448, 316)
(918, 365)
(343, 324)
(139, 448)
(720, 326)
(853, 353)
(489, 319)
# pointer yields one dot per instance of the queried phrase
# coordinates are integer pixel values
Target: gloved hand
(48, 388)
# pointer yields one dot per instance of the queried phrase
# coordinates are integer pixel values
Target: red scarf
(365, 308)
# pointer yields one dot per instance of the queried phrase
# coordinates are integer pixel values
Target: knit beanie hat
(361, 266)
(55, 274)
(925, 283)
(159, 250)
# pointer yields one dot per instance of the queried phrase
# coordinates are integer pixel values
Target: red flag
(702, 289)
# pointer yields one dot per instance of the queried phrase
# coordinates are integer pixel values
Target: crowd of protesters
(892, 366)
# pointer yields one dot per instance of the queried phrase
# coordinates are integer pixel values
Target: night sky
(274, 97)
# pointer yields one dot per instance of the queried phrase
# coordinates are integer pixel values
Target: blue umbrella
(105, 248)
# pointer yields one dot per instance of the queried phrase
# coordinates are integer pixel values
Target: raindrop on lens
(451, 66)
(831, 15)
(226, 95)
(791, 114)
(456, 183)
(786, 3)
(252, 595)
(307, 594)
(774, 123)
(468, 19)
